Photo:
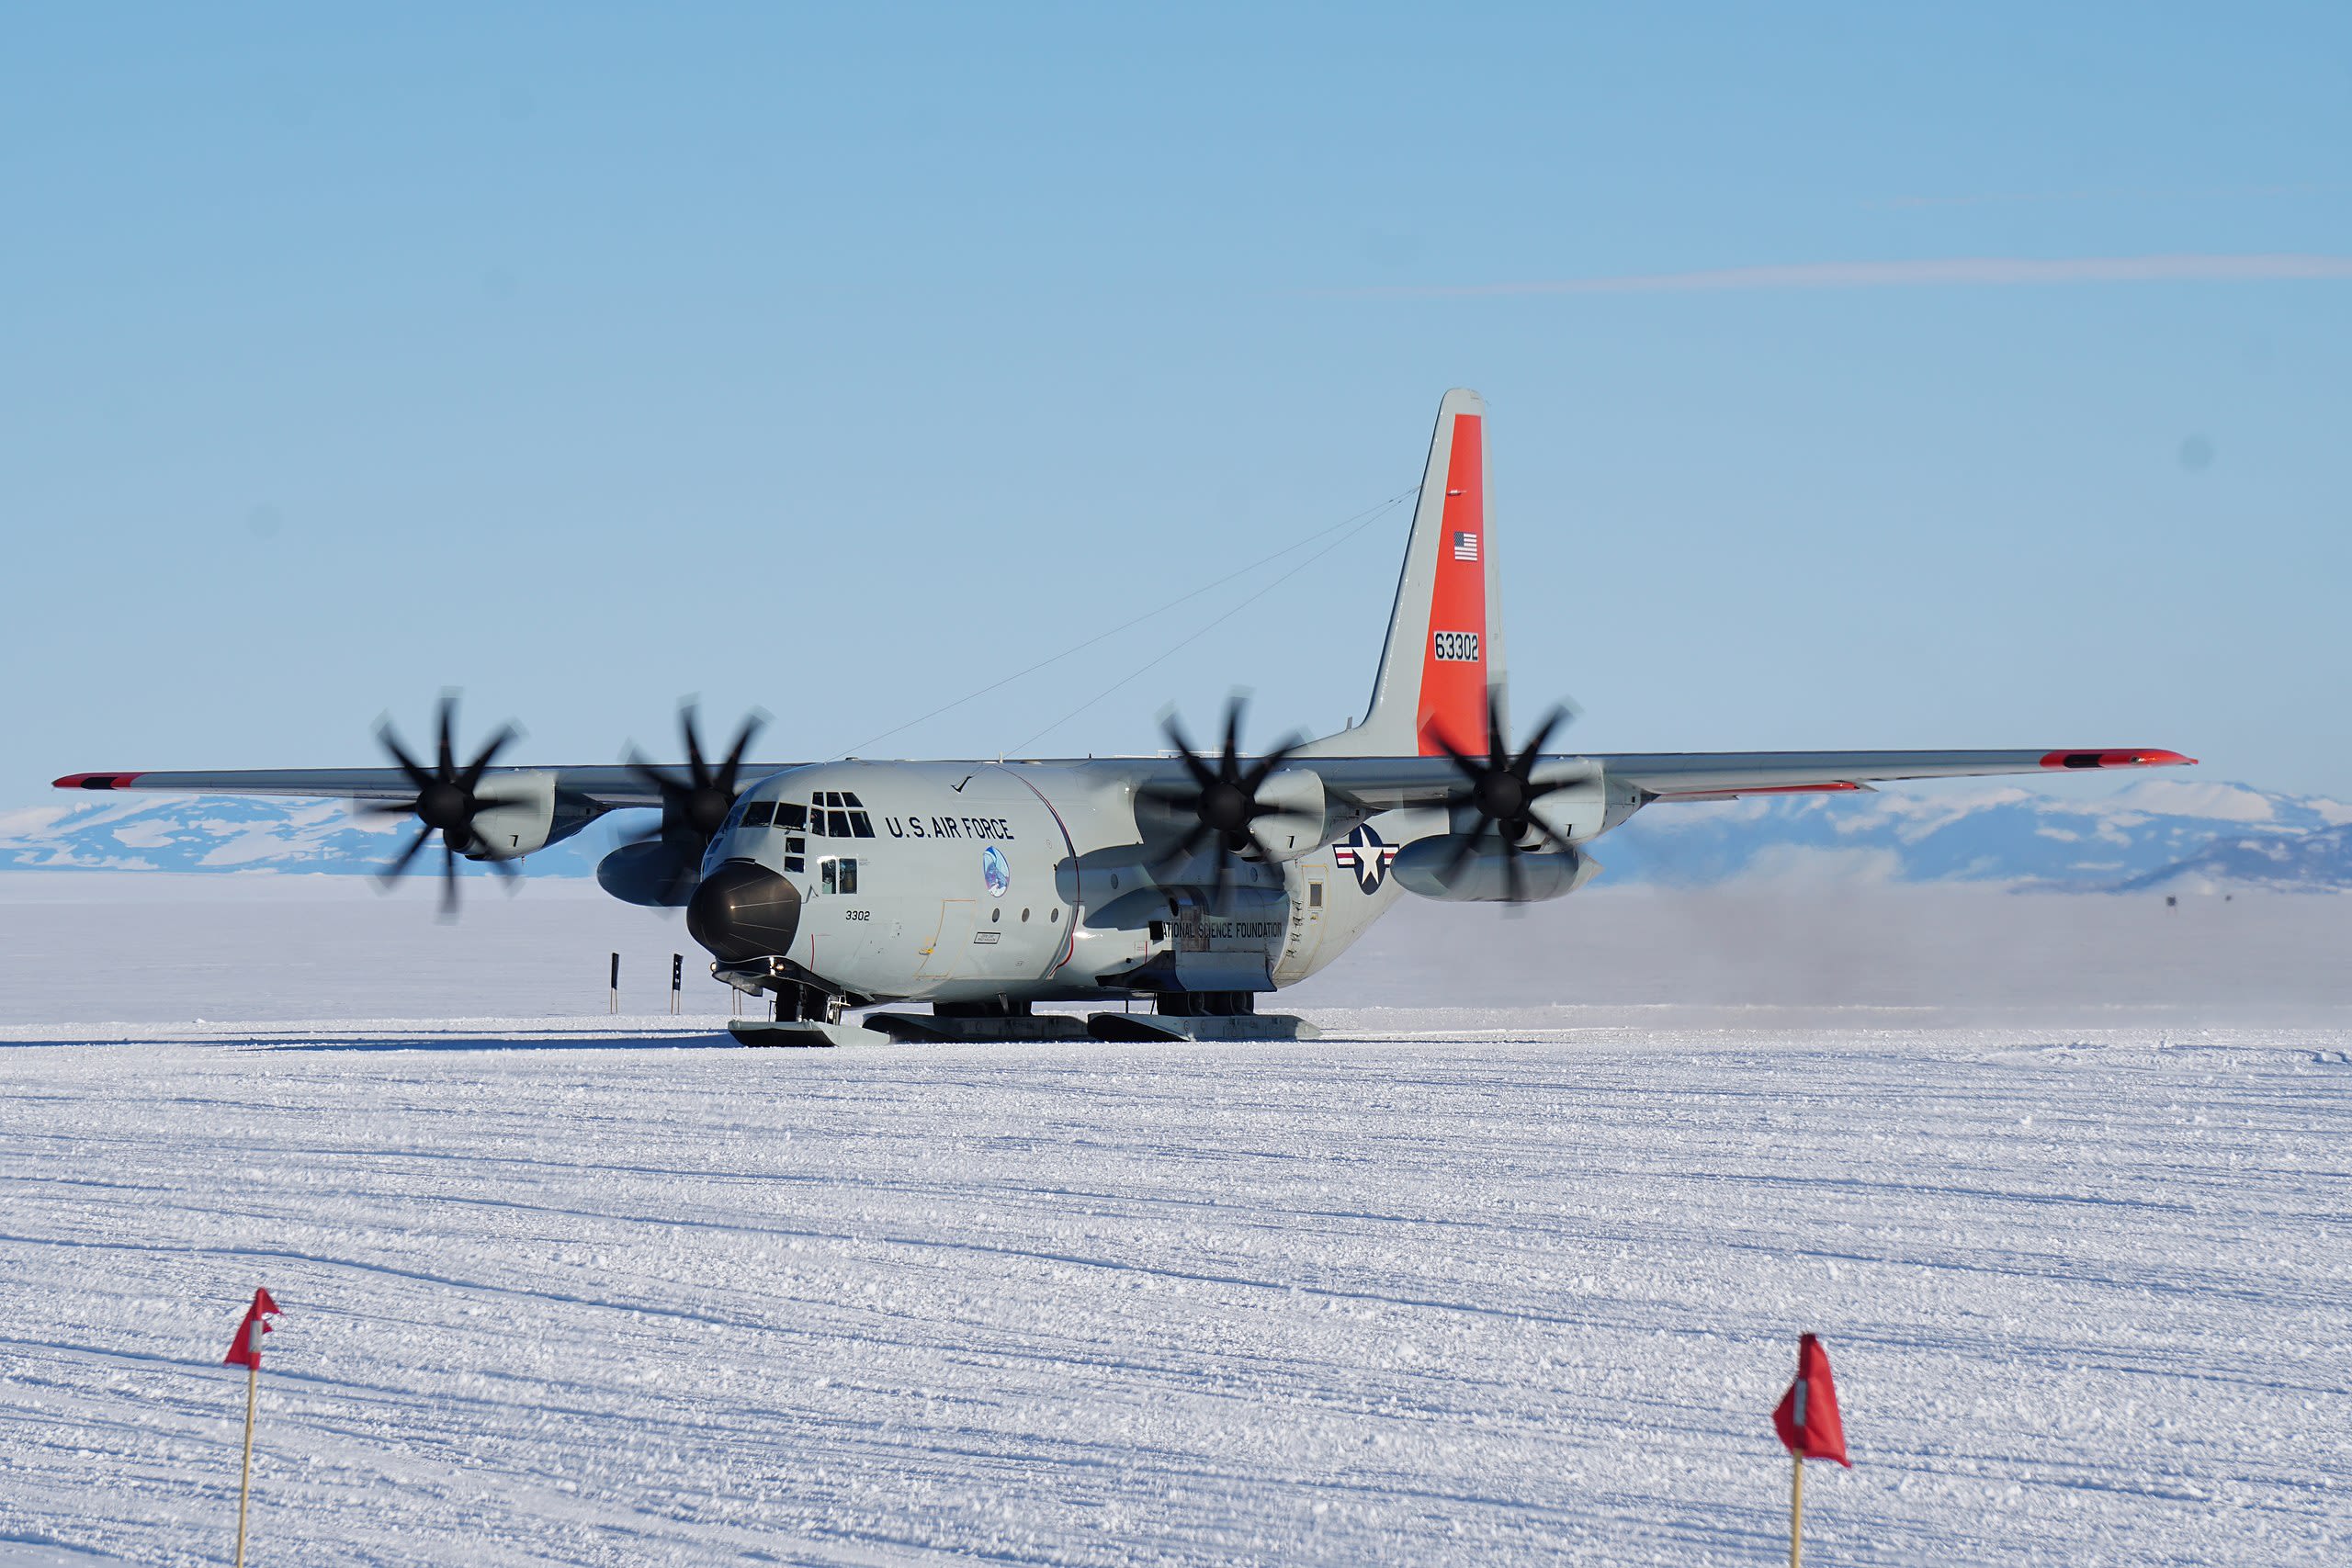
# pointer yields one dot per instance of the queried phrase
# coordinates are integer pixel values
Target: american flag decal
(1465, 545)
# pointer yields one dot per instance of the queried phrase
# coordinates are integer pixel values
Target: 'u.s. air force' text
(949, 828)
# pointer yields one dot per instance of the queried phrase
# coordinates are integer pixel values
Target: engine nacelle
(658, 874)
(1299, 824)
(528, 815)
(1296, 825)
(1427, 867)
(1579, 801)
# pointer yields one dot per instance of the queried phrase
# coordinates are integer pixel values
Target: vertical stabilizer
(1445, 634)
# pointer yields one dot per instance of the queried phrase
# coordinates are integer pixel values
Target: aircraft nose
(744, 910)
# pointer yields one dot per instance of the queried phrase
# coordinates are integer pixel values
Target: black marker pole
(613, 1005)
(677, 980)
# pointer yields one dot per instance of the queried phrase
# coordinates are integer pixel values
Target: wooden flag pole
(1796, 1510)
(245, 1483)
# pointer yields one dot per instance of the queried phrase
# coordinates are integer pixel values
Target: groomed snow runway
(1485, 1297)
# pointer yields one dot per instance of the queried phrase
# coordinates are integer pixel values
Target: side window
(827, 872)
(762, 813)
(790, 818)
(849, 876)
(793, 850)
(1313, 895)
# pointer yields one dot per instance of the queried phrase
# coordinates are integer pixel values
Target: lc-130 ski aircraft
(1194, 881)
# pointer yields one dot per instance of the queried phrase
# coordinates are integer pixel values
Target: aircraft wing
(1380, 782)
(1391, 781)
(610, 786)
(1704, 775)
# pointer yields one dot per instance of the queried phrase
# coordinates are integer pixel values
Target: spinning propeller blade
(1503, 793)
(449, 798)
(1222, 798)
(694, 804)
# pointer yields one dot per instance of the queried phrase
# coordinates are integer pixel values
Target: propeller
(1503, 792)
(1222, 796)
(448, 798)
(695, 805)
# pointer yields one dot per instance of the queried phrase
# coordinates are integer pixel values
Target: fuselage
(966, 883)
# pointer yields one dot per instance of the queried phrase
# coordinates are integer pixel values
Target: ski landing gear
(1201, 1015)
(806, 1015)
(1003, 1019)
(1176, 1015)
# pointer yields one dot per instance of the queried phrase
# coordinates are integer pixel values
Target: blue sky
(842, 361)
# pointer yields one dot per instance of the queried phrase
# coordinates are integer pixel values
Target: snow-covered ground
(1480, 1296)
(1508, 1268)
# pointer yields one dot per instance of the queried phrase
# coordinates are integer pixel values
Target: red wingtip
(2132, 757)
(95, 780)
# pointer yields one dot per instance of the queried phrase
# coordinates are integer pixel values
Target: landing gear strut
(799, 1002)
(803, 1014)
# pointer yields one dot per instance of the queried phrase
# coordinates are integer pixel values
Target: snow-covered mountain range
(2155, 834)
(2160, 833)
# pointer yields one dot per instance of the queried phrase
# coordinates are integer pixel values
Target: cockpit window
(790, 818)
(761, 814)
(837, 813)
(856, 824)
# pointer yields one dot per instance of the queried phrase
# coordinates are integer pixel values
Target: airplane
(1194, 883)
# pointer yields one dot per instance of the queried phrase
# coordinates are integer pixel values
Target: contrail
(1960, 271)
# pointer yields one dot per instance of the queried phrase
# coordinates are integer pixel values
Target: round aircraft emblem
(995, 871)
(1362, 853)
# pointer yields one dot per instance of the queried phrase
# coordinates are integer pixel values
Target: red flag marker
(1807, 1415)
(1806, 1420)
(246, 1352)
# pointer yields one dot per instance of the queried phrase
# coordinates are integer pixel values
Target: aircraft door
(1017, 927)
(840, 916)
(1303, 934)
(951, 941)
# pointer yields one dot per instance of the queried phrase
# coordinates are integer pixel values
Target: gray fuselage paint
(1031, 882)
